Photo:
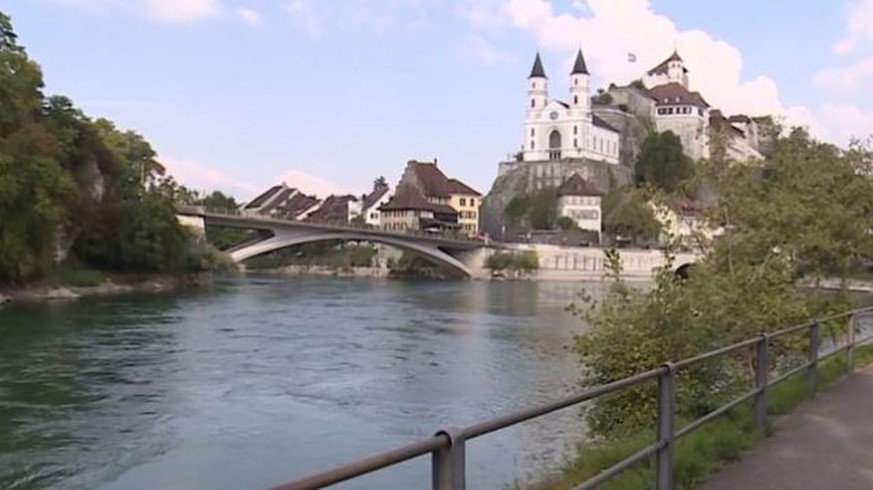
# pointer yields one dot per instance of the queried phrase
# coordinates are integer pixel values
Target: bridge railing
(202, 210)
(447, 447)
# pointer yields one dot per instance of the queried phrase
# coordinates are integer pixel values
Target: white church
(558, 130)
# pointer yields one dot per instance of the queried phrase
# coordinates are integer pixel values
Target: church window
(575, 81)
(531, 145)
(575, 99)
(533, 103)
(575, 143)
(532, 132)
(575, 129)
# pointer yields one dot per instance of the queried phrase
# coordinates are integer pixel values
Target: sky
(327, 95)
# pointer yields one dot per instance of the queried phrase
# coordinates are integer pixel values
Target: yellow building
(446, 194)
(466, 201)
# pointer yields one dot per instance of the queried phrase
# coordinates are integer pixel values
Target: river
(259, 380)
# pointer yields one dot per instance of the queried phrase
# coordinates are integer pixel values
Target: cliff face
(515, 179)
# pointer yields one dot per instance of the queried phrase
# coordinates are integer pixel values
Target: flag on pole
(631, 58)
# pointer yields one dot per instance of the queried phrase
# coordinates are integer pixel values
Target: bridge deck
(824, 444)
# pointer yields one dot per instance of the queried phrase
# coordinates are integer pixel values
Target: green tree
(543, 211)
(663, 163)
(626, 213)
(802, 213)
(516, 210)
(566, 223)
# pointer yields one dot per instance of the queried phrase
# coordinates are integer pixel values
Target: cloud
(310, 184)
(847, 121)
(182, 11)
(608, 30)
(304, 16)
(193, 174)
(482, 50)
(848, 77)
(250, 16)
(859, 27)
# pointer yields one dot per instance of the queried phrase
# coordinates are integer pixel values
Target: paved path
(824, 444)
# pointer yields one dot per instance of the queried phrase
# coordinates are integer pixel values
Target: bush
(69, 275)
(526, 261)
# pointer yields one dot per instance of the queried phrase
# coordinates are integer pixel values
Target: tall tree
(662, 162)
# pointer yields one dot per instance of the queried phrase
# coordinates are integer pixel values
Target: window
(532, 132)
(669, 110)
(533, 103)
(700, 111)
(575, 143)
(575, 99)
(575, 81)
(472, 201)
(374, 215)
(463, 201)
(575, 129)
(531, 145)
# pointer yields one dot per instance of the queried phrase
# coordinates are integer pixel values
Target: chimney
(435, 161)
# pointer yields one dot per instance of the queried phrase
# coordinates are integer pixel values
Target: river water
(260, 380)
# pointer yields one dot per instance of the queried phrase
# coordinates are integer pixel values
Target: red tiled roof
(292, 208)
(407, 197)
(334, 209)
(577, 186)
(433, 181)
(675, 94)
(263, 197)
(458, 187)
(373, 197)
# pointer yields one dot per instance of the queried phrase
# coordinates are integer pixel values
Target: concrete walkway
(826, 443)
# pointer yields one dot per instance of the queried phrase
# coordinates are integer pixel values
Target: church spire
(579, 67)
(537, 70)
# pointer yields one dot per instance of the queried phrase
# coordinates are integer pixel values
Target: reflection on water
(264, 379)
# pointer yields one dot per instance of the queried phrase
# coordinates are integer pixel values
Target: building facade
(580, 200)
(370, 203)
(466, 201)
(444, 194)
(557, 130)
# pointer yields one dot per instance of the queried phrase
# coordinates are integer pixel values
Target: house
(465, 200)
(409, 209)
(370, 203)
(335, 210)
(580, 200)
(281, 201)
(445, 193)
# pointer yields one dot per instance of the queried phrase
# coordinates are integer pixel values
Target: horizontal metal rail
(448, 447)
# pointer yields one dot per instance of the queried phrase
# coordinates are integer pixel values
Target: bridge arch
(282, 240)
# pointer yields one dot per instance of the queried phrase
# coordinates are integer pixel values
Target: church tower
(538, 87)
(579, 101)
(676, 71)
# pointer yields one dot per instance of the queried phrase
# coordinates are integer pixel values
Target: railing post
(666, 413)
(811, 371)
(449, 463)
(850, 350)
(762, 360)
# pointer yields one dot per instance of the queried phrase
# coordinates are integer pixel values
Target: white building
(580, 200)
(678, 109)
(371, 203)
(556, 130)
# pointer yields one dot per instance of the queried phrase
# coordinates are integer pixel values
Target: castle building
(678, 109)
(556, 130)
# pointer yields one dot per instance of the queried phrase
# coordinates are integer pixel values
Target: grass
(705, 451)
(67, 275)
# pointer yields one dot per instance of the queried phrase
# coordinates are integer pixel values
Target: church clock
(553, 115)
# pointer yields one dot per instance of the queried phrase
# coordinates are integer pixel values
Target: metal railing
(448, 447)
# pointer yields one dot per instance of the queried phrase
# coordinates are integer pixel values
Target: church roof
(577, 186)
(537, 70)
(600, 123)
(661, 69)
(579, 66)
(675, 94)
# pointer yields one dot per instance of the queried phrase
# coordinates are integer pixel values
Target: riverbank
(112, 285)
(325, 271)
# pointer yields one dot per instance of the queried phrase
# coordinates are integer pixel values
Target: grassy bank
(701, 453)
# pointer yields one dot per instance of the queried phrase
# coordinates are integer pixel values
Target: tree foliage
(538, 211)
(662, 162)
(626, 213)
(67, 179)
(801, 214)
